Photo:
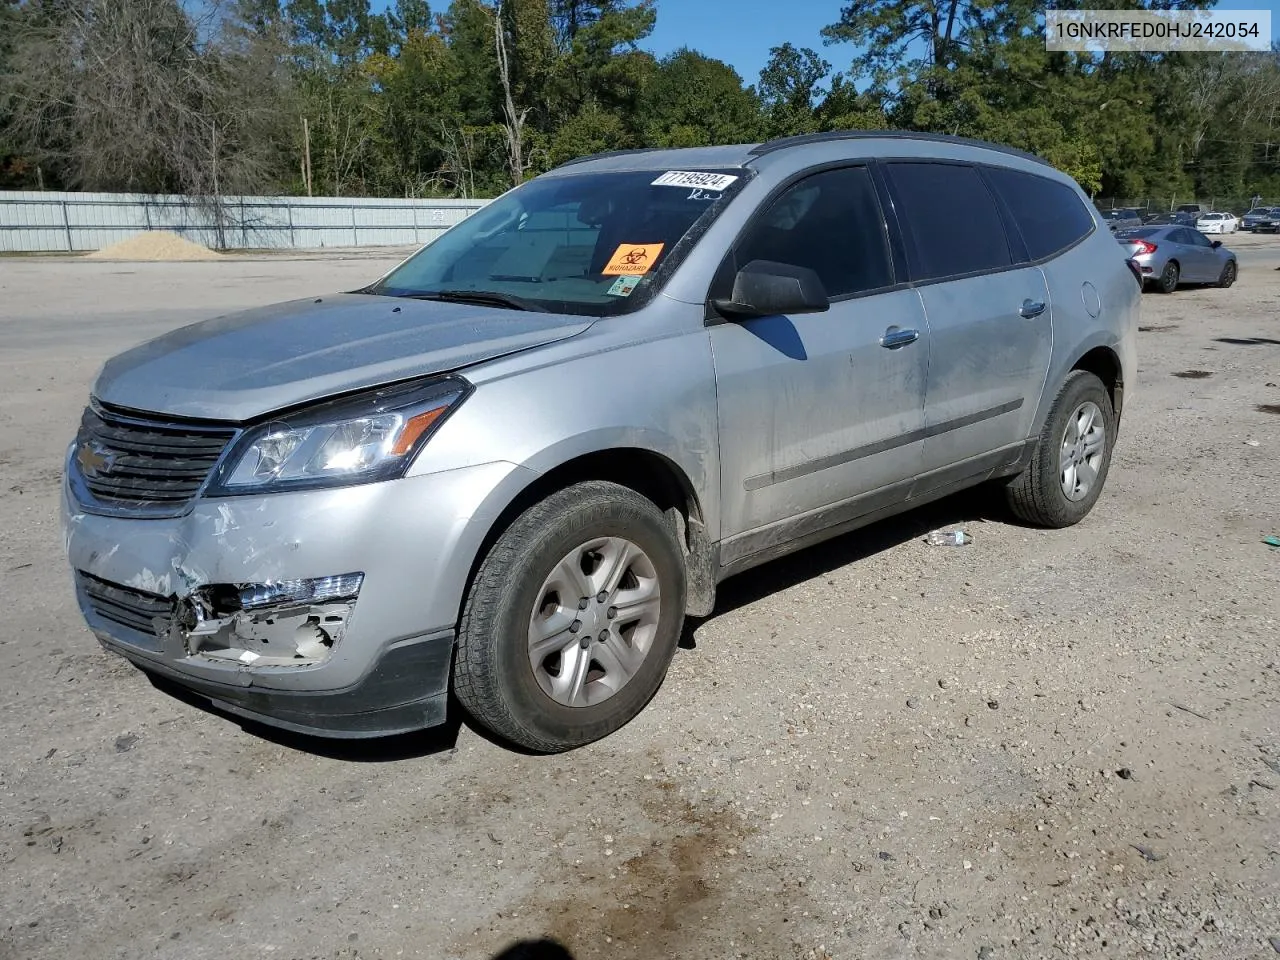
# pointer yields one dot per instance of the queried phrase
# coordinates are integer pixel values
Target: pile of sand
(155, 245)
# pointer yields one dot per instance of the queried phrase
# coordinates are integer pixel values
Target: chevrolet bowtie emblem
(94, 459)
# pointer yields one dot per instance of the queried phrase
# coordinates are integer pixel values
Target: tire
(1037, 495)
(553, 707)
(1228, 275)
(1168, 281)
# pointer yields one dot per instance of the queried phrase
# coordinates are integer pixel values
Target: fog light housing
(276, 623)
(257, 596)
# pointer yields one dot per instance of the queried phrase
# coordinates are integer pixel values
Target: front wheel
(1228, 276)
(1070, 465)
(573, 618)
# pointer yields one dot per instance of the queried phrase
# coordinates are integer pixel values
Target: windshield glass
(1136, 234)
(594, 243)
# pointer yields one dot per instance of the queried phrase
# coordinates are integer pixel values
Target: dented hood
(248, 364)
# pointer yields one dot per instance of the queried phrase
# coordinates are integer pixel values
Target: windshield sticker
(623, 286)
(707, 181)
(632, 259)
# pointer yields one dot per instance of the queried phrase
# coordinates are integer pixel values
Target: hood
(244, 365)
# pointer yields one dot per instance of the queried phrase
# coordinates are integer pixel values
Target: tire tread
(475, 684)
(1034, 495)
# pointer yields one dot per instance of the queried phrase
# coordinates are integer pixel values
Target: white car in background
(1218, 223)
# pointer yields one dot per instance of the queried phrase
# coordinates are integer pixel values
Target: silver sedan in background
(1171, 255)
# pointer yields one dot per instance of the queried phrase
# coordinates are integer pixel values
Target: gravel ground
(1041, 744)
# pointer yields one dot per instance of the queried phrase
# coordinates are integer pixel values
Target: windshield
(1136, 234)
(594, 243)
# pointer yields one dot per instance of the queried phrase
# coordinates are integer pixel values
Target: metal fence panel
(32, 221)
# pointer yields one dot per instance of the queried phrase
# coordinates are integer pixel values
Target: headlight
(357, 440)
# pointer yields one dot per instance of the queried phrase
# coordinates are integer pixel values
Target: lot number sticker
(707, 181)
(632, 259)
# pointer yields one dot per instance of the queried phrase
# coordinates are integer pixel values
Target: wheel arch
(650, 473)
(1104, 363)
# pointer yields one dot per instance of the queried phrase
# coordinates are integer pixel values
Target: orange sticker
(632, 259)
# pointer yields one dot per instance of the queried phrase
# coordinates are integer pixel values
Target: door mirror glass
(1216, 244)
(766, 288)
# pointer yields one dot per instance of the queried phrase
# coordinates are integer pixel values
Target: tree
(124, 95)
(695, 101)
(789, 90)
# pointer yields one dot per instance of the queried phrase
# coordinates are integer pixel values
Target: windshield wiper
(485, 297)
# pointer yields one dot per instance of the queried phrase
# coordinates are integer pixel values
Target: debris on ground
(1272, 541)
(1147, 853)
(948, 538)
(155, 245)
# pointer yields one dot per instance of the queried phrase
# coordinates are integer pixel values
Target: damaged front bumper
(325, 611)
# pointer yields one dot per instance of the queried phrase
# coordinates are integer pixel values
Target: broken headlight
(358, 440)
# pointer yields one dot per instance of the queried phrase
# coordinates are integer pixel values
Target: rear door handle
(1032, 308)
(897, 337)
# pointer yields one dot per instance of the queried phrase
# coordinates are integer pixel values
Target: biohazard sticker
(632, 259)
(623, 286)
(683, 178)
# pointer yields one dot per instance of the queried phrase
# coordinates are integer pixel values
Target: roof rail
(782, 143)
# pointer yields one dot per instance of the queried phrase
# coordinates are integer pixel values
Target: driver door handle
(897, 337)
(1032, 308)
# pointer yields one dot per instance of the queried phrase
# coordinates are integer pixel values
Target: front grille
(127, 461)
(147, 613)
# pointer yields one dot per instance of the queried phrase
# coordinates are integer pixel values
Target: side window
(1050, 216)
(831, 223)
(951, 217)
(1198, 238)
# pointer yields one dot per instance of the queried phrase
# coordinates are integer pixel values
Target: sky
(741, 32)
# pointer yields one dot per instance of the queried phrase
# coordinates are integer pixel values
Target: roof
(741, 155)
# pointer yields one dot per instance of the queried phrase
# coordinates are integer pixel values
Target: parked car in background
(1251, 218)
(1195, 210)
(1261, 220)
(1123, 217)
(1172, 255)
(1218, 223)
(1181, 219)
(511, 467)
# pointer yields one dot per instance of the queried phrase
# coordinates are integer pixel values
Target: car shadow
(534, 950)
(405, 746)
(976, 505)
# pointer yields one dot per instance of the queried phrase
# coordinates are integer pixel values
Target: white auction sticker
(707, 181)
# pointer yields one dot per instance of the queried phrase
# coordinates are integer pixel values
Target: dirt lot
(1042, 744)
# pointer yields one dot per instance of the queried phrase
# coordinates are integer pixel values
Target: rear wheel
(572, 619)
(1070, 465)
(1168, 281)
(1228, 274)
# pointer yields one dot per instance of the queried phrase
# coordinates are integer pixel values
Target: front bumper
(414, 539)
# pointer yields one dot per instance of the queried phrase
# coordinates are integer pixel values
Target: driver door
(821, 415)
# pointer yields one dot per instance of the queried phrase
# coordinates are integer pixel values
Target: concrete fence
(70, 222)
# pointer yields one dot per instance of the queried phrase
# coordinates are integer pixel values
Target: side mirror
(1216, 244)
(766, 288)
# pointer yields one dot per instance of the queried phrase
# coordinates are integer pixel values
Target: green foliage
(694, 101)
(789, 90)
(415, 100)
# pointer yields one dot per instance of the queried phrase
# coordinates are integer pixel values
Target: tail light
(1144, 247)
(1136, 269)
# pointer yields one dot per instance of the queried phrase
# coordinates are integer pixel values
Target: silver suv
(514, 464)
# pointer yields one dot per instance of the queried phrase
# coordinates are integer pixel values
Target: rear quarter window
(1050, 215)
